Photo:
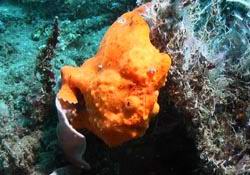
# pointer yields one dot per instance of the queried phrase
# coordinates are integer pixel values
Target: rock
(4, 109)
(2, 27)
(22, 151)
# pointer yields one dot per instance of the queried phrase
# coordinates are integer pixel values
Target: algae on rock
(209, 44)
(24, 28)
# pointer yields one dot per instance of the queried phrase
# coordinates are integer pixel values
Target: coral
(21, 152)
(20, 87)
(209, 79)
(43, 66)
(2, 27)
(114, 94)
(45, 74)
(75, 9)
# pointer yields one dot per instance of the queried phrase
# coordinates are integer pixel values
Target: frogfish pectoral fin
(67, 94)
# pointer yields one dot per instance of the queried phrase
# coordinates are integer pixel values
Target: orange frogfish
(114, 94)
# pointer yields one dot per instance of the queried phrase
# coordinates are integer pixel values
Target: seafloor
(203, 126)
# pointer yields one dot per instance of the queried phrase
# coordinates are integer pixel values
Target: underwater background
(204, 122)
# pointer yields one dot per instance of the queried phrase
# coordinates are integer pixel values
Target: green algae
(29, 143)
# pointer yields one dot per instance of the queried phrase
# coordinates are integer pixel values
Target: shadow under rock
(166, 149)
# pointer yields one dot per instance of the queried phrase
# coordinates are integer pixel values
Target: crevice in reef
(166, 148)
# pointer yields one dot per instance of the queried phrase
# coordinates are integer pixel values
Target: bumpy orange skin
(117, 89)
